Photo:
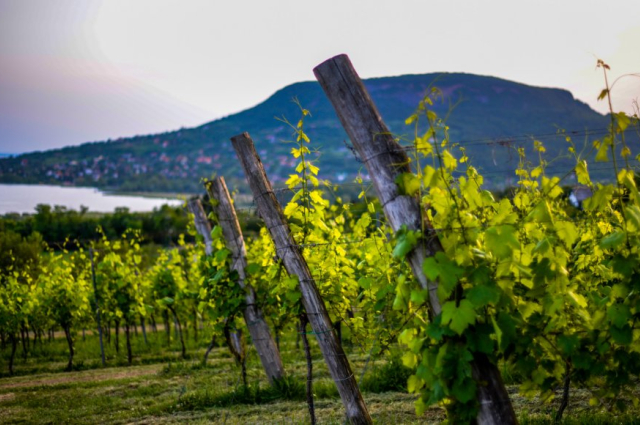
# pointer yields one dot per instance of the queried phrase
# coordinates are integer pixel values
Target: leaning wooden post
(202, 224)
(98, 311)
(385, 160)
(286, 249)
(258, 328)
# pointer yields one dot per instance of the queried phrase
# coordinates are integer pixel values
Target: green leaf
(408, 183)
(543, 246)
(621, 265)
(406, 240)
(622, 121)
(502, 240)
(623, 335)
(505, 327)
(293, 296)
(435, 329)
(216, 232)
(446, 270)
(419, 296)
(603, 94)
(290, 209)
(551, 187)
(504, 214)
(430, 268)
(582, 174)
(619, 314)
(414, 384)
(480, 339)
(497, 330)
(399, 303)
(252, 269)
(540, 213)
(481, 275)
(313, 168)
(603, 149)
(430, 176)
(481, 295)
(459, 317)
(567, 232)
(600, 199)
(222, 254)
(449, 160)
(578, 298)
(423, 144)
(365, 282)
(613, 240)
(421, 407)
(568, 344)
(464, 390)
(409, 359)
(619, 290)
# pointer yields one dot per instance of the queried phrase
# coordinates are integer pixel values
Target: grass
(160, 387)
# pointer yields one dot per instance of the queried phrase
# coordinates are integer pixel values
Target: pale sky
(73, 71)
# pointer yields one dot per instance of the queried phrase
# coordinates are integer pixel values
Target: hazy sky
(85, 70)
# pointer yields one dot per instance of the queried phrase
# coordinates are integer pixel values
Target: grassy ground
(162, 388)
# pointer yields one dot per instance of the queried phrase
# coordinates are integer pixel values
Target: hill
(488, 112)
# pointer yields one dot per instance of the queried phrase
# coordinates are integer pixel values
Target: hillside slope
(485, 108)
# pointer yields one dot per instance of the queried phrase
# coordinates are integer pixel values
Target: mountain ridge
(491, 108)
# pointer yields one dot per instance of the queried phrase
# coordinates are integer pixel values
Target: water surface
(22, 198)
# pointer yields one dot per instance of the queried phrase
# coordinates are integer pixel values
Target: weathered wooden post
(258, 328)
(204, 229)
(256, 323)
(271, 212)
(202, 224)
(98, 311)
(385, 160)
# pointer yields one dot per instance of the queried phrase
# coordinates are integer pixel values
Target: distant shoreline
(24, 198)
(114, 192)
(152, 195)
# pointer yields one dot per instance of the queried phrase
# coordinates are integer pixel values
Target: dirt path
(82, 376)
(7, 397)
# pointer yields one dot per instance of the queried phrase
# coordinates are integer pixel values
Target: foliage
(59, 226)
(520, 280)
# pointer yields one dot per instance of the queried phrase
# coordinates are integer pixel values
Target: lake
(23, 198)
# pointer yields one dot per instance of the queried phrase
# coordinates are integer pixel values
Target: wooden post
(271, 212)
(258, 327)
(98, 313)
(202, 224)
(385, 159)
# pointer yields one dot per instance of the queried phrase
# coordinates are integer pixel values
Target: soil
(82, 376)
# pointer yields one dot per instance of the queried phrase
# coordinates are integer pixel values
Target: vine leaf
(406, 241)
(619, 314)
(481, 295)
(502, 240)
(408, 183)
(612, 240)
(440, 266)
(459, 317)
(623, 335)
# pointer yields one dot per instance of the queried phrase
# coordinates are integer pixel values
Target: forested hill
(486, 114)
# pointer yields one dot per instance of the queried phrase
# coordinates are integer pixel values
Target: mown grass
(160, 387)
